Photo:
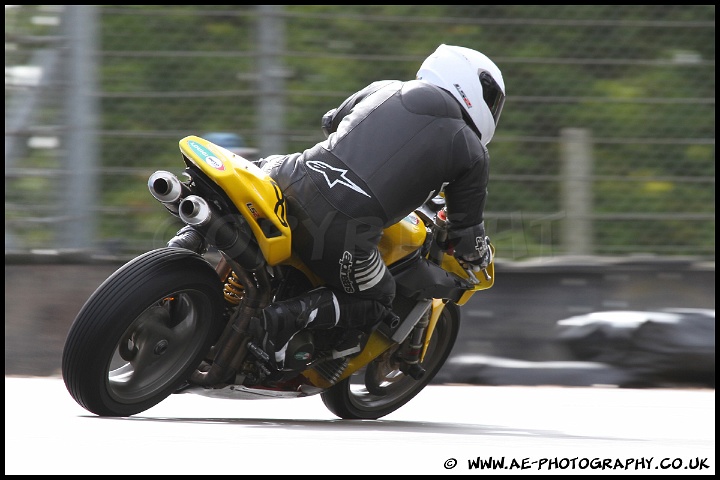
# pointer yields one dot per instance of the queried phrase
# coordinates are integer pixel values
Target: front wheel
(380, 388)
(143, 332)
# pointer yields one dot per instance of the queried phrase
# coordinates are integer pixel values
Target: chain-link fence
(606, 145)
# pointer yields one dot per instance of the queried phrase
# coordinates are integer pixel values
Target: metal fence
(606, 145)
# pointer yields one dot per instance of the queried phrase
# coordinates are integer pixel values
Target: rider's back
(396, 144)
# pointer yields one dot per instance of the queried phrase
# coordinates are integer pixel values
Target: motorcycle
(174, 320)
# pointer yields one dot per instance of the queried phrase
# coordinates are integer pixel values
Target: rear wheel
(381, 388)
(143, 332)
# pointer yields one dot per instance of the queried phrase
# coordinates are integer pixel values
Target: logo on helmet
(462, 94)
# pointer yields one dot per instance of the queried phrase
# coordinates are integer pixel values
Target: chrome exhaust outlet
(167, 189)
(194, 211)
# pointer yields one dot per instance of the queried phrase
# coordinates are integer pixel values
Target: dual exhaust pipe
(193, 210)
(176, 197)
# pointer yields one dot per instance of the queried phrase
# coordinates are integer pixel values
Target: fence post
(82, 160)
(271, 80)
(576, 148)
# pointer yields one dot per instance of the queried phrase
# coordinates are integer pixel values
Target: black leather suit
(390, 147)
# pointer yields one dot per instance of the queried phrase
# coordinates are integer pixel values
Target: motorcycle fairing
(450, 264)
(257, 196)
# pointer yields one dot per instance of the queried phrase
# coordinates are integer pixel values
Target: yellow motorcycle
(175, 320)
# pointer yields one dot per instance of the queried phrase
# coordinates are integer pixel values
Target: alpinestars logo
(480, 244)
(346, 272)
(334, 176)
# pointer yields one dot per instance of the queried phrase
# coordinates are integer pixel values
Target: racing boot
(281, 321)
(359, 317)
(320, 308)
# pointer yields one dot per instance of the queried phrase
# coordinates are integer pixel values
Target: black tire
(142, 332)
(381, 388)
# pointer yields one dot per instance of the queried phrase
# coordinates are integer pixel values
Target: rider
(389, 147)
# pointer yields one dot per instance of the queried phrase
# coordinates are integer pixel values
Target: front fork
(415, 347)
(412, 348)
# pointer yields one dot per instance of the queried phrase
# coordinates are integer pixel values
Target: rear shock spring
(233, 289)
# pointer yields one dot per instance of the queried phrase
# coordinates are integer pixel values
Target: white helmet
(473, 79)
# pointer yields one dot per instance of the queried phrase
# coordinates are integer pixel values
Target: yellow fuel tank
(401, 239)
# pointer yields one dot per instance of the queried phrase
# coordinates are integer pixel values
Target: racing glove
(480, 259)
(471, 247)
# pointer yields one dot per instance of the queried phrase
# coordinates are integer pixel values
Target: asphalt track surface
(445, 430)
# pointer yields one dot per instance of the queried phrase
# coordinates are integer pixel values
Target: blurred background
(606, 144)
(605, 151)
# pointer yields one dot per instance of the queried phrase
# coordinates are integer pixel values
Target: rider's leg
(357, 296)
(319, 309)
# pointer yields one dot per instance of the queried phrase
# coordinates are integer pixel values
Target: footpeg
(258, 352)
(264, 364)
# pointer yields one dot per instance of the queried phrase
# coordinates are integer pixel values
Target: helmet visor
(492, 94)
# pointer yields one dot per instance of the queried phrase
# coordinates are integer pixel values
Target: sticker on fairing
(207, 155)
(412, 219)
(252, 209)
